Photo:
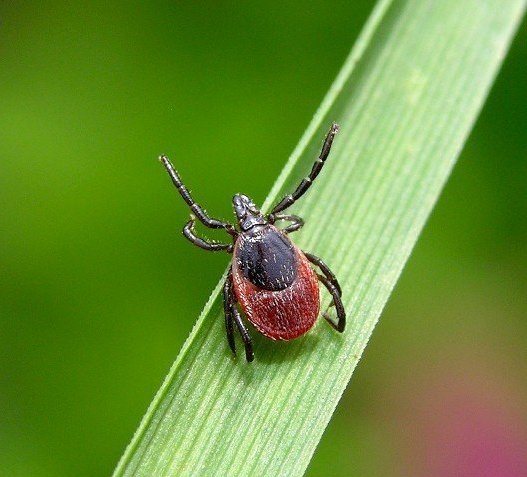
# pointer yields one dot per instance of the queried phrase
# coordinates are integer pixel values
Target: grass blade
(406, 100)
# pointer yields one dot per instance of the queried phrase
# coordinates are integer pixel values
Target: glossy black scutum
(267, 258)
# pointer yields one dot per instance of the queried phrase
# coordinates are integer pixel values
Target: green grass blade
(406, 100)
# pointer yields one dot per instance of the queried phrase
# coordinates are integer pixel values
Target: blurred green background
(98, 290)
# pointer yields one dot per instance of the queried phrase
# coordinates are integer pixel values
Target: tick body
(274, 284)
(270, 278)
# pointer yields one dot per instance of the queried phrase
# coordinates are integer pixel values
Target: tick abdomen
(267, 258)
(274, 284)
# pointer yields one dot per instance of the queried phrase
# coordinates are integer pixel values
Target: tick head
(247, 213)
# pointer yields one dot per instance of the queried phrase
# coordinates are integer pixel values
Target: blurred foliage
(93, 265)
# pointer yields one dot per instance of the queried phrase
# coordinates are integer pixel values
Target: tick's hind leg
(325, 270)
(227, 308)
(331, 283)
(337, 301)
(232, 316)
(247, 342)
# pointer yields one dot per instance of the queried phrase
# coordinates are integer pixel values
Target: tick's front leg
(188, 232)
(296, 221)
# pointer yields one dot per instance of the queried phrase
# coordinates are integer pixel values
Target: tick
(269, 276)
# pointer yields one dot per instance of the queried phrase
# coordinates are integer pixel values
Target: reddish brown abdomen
(279, 314)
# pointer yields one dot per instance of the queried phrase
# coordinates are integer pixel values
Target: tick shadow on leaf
(278, 352)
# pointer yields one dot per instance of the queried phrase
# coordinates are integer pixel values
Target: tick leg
(232, 315)
(296, 221)
(290, 199)
(341, 313)
(331, 279)
(247, 342)
(227, 308)
(188, 232)
(198, 211)
(325, 270)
